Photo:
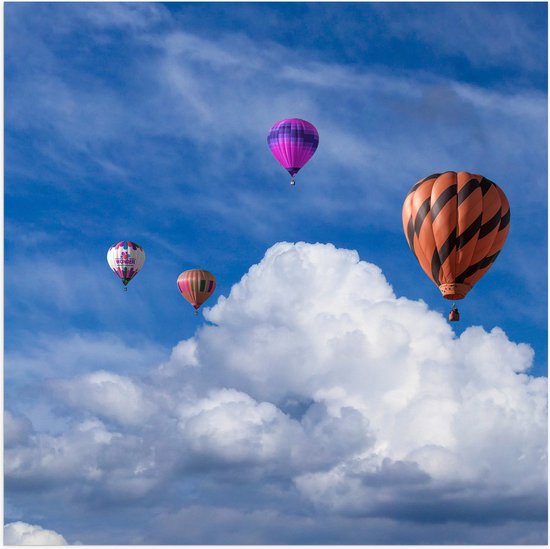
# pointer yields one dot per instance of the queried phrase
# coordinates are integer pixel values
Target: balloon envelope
(293, 142)
(126, 259)
(456, 224)
(196, 285)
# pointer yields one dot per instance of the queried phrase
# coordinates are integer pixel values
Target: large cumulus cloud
(316, 324)
(315, 390)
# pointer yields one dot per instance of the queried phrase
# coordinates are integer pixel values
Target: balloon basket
(454, 315)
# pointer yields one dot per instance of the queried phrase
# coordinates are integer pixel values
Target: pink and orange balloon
(196, 286)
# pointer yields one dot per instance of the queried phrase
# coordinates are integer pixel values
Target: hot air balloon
(456, 225)
(196, 285)
(293, 142)
(126, 259)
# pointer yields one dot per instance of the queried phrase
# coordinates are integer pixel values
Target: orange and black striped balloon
(456, 225)
(196, 285)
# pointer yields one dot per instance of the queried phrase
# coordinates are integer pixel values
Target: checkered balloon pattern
(293, 142)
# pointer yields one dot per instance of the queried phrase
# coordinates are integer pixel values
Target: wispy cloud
(473, 30)
(189, 87)
(58, 356)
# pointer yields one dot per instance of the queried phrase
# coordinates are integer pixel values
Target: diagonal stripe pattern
(456, 224)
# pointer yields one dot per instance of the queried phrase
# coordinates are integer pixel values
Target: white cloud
(135, 17)
(314, 322)
(91, 459)
(58, 356)
(107, 395)
(232, 427)
(48, 459)
(21, 533)
(314, 373)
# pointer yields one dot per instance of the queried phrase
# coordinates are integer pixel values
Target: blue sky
(148, 122)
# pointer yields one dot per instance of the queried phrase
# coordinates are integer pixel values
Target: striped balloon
(126, 259)
(456, 225)
(293, 142)
(196, 285)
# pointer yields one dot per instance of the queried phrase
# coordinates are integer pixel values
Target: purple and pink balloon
(293, 142)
